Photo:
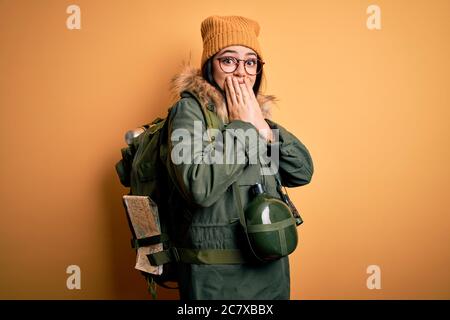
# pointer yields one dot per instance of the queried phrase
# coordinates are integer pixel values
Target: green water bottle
(271, 227)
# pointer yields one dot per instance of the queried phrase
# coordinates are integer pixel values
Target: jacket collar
(191, 80)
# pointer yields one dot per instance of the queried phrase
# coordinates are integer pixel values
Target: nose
(240, 70)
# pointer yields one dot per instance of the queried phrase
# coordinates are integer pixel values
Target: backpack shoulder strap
(211, 118)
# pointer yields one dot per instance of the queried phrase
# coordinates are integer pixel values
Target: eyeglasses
(252, 66)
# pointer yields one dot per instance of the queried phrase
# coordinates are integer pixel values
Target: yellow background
(371, 106)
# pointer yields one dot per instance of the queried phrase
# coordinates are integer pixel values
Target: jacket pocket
(248, 178)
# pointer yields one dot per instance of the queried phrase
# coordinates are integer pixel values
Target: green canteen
(271, 227)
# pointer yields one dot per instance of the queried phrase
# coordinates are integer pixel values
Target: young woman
(205, 205)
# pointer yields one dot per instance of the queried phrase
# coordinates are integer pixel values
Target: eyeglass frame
(239, 62)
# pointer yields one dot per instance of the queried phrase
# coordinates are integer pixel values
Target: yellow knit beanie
(219, 32)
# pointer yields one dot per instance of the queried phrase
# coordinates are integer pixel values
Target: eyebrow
(232, 51)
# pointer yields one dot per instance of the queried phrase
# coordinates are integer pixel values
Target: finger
(249, 88)
(231, 92)
(245, 93)
(237, 91)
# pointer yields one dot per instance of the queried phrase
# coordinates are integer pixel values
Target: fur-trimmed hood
(190, 79)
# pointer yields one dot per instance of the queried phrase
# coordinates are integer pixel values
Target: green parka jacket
(204, 208)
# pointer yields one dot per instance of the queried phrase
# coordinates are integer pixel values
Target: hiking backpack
(143, 170)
